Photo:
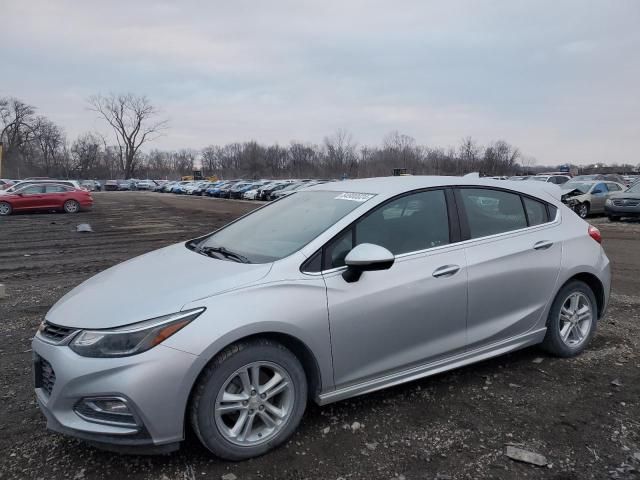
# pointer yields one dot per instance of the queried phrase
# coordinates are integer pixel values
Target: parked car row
(132, 184)
(265, 190)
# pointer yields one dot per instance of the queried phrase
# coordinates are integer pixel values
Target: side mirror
(366, 257)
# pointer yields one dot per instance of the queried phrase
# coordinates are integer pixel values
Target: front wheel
(71, 206)
(249, 400)
(583, 210)
(5, 208)
(572, 320)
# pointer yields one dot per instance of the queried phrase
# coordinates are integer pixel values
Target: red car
(45, 196)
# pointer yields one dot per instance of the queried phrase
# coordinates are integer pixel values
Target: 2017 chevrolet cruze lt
(334, 291)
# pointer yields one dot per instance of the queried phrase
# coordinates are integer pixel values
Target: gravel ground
(582, 414)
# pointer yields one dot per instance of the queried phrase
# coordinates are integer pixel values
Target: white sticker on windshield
(354, 197)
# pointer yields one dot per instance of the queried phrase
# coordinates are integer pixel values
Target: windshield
(539, 179)
(583, 187)
(635, 188)
(284, 227)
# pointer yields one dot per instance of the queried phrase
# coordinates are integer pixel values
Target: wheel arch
(299, 348)
(594, 284)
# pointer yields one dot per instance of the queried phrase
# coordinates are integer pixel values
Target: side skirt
(421, 371)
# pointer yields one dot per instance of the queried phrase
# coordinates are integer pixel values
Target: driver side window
(407, 224)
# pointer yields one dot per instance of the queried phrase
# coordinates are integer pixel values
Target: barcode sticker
(354, 197)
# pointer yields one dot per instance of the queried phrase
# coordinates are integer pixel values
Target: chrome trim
(89, 401)
(556, 221)
(425, 370)
(63, 341)
(172, 317)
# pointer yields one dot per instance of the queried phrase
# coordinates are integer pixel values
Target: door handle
(446, 271)
(542, 245)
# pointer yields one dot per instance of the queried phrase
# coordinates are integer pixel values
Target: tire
(582, 331)
(582, 209)
(215, 429)
(71, 206)
(614, 219)
(5, 208)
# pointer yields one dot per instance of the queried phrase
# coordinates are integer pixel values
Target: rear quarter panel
(581, 253)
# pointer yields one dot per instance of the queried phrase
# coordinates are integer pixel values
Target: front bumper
(155, 385)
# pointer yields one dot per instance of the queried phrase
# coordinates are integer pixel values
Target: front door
(411, 314)
(30, 198)
(599, 195)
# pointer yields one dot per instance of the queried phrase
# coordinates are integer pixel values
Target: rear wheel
(249, 400)
(572, 320)
(5, 208)
(583, 210)
(71, 206)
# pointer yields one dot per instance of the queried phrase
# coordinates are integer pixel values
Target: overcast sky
(559, 79)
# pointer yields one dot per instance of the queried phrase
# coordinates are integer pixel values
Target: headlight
(131, 339)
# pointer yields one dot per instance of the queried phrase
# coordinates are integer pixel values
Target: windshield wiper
(224, 252)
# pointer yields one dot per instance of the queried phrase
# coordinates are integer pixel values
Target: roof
(391, 186)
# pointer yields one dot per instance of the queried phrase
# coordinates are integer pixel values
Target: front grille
(626, 203)
(55, 333)
(45, 376)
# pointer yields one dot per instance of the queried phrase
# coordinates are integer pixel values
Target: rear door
(513, 261)
(409, 315)
(54, 196)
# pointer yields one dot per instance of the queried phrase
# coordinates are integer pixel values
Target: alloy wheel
(71, 206)
(5, 208)
(583, 210)
(254, 403)
(576, 318)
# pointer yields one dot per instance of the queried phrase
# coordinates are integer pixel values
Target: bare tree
(50, 140)
(341, 156)
(85, 153)
(134, 122)
(469, 154)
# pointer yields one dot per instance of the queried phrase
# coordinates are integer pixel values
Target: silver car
(588, 197)
(334, 291)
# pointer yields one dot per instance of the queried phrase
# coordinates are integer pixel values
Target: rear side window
(536, 211)
(55, 189)
(490, 212)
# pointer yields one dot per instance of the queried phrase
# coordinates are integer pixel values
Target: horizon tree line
(36, 146)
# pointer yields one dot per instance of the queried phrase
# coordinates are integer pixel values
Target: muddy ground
(454, 425)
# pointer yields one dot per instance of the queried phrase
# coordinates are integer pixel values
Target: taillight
(595, 234)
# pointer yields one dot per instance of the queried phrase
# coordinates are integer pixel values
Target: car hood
(149, 286)
(635, 196)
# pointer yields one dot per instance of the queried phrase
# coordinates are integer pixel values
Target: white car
(145, 185)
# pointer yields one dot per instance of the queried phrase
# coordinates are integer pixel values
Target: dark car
(111, 185)
(266, 192)
(238, 190)
(624, 204)
(45, 196)
(225, 191)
